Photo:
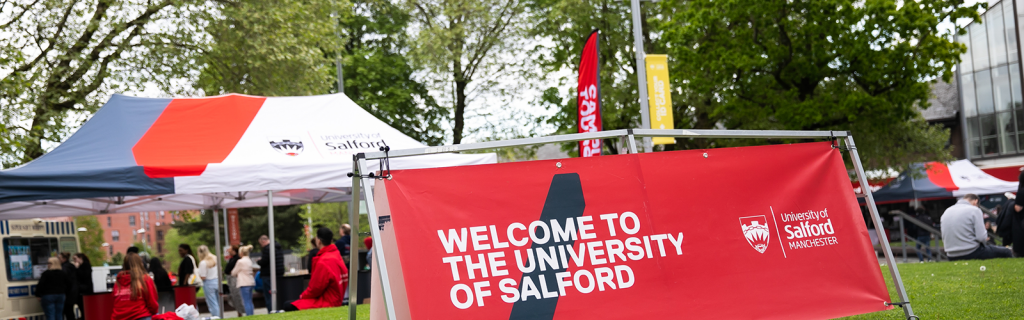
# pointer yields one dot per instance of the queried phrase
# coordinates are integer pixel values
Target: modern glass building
(989, 78)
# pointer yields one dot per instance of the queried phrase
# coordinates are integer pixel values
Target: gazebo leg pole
(353, 265)
(273, 256)
(220, 255)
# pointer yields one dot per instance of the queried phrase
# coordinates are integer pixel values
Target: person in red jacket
(134, 292)
(330, 277)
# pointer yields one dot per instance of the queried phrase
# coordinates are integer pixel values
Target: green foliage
(815, 65)
(289, 48)
(172, 240)
(332, 216)
(459, 42)
(620, 107)
(116, 260)
(60, 59)
(252, 224)
(91, 241)
(378, 75)
(958, 290)
(270, 48)
(362, 313)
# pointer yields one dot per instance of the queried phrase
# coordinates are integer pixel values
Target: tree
(816, 65)
(620, 107)
(459, 42)
(281, 48)
(91, 240)
(269, 48)
(60, 58)
(378, 75)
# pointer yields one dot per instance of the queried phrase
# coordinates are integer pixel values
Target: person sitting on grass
(964, 234)
(329, 280)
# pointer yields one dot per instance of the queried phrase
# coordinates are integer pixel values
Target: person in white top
(211, 282)
(246, 282)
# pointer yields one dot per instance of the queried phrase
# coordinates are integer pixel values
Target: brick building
(123, 229)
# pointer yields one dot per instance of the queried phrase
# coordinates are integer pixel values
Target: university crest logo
(755, 230)
(288, 146)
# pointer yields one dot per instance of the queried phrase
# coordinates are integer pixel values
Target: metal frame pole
(220, 255)
(641, 72)
(870, 201)
(353, 264)
(273, 253)
(378, 248)
(903, 240)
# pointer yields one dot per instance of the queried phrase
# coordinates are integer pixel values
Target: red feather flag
(588, 102)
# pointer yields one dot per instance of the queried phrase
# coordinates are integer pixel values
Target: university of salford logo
(288, 146)
(755, 229)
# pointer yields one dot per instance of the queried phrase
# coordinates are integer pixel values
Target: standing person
(51, 290)
(134, 291)
(72, 294)
(1015, 220)
(187, 265)
(211, 280)
(329, 280)
(164, 288)
(310, 254)
(345, 242)
(922, 235)
(83, 274)
(245, 281)
(964, 235)
(264, 264)
(233, 291)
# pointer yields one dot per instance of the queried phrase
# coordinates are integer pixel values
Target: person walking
(134, 291)
(211, 280)
(187, 266)
(164, 287)
(233, 292)
(244, 279)
(72, 294)
(264, 264)
(329, 280)
(83, 275)
(51, 289)
(964, 235)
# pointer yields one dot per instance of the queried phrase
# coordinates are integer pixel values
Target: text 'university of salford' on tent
(147, 154)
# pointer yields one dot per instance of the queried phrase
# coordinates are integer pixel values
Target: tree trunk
(460, 106)
(34, 144)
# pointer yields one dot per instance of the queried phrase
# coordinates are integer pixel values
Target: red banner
(753, 232)
(234, 236)
(588, 102)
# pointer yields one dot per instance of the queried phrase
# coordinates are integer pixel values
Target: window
(161, 214)
(990, 85)
(159, 247)
(115, 236)
(108, 222)
(110, 249)
(131, 221)
(159, 235)
(27, 257)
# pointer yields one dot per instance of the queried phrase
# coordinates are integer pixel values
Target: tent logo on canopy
(289, 146)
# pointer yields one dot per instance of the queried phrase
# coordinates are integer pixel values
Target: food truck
(28, 244)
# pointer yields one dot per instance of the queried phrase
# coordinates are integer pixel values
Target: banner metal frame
(360, 164)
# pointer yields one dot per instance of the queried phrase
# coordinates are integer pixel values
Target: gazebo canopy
(935, 180)
(146, 154)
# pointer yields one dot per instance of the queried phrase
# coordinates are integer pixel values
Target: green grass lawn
(362, 313)
(960, 290)
(943, 290)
